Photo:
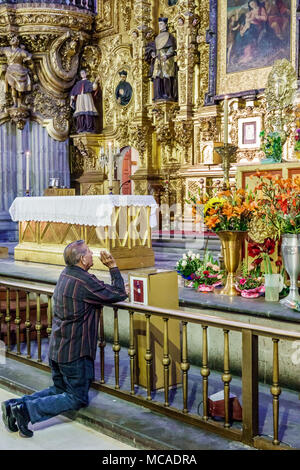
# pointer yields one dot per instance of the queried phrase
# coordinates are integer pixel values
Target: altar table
(119, 224)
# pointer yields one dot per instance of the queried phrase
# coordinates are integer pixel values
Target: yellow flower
(214, 201)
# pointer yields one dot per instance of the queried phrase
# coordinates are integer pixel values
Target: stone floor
(129, 423)
(135, 424)
(72, 435)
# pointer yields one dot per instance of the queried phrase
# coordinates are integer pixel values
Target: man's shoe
(8, 419)
(21, 414)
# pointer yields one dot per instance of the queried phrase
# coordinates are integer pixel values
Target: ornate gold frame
(252, 79)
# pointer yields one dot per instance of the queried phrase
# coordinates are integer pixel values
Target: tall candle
(27, 169)
(110, 165)
(226, 120)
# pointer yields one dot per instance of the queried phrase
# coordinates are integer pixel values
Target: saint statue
(17, 75)
(163, 70)
(124, 90)
(82, 102)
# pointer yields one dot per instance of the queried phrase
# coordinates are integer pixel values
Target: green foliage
(271, 145)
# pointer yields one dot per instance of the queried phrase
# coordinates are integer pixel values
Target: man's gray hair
(74, 251)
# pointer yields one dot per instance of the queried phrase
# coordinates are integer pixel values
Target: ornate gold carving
(259, 230)
(126, 9)
(184, 136)
(90, 61)
(11, 15)
(64, 55)
(139, 139)
(45, 107)
(208, 129)
(19, 116)
(280, 94)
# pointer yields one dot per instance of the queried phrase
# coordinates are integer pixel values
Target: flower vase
(232, 247)
(290, 249)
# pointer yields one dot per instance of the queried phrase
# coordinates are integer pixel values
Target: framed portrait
(249, 37)
(248, 133)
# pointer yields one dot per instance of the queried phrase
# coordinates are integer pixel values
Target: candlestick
(226, 120)
(110, 165)
(27, 154)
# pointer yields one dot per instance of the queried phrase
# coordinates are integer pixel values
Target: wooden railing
(248, 434)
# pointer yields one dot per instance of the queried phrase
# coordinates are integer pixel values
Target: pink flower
(243, 281)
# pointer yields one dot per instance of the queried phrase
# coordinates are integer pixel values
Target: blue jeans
(71, 380)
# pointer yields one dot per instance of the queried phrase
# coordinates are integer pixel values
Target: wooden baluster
(184, 367)
(131, 352)
(116, 347)
(226, 377)
(8, 319)
(18, 322)
(205, 372)
(49, 316)
(38, 326)
(166, 361)
(250, 386)
(148, 357)
(276, 391)
(102, 345)
(28, 325)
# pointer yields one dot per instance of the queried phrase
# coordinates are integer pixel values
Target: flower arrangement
(229, 210)
(297, 141)
(262, 252)
(271, 145)
(279, 203)
(209, 275)
(250, 284)
(188, 265)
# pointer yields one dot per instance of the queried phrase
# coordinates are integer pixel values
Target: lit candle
(110, 165)
(27, 170)
(226, 120)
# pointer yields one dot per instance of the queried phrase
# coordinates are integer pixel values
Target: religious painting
(258, 33)
(123, 91)
(250, 36)
(248, 132)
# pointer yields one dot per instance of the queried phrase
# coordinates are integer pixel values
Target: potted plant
(297, 144)
(271, 146)
(209, 275)
(187, 265)
(228, 214)
(250, 283)
(279, 207)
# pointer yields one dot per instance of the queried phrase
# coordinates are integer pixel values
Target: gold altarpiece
(175, 141)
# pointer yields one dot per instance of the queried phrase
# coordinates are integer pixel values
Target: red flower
(257, 261)
(278, 262)
(206, 273)
(269, 246)
(283, 205)
(253, 249)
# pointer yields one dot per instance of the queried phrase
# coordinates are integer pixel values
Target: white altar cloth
(81, 210)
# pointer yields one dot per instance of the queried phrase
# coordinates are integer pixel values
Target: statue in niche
(163, 70)
(124, 90)
(17, 76)
(82, 101)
